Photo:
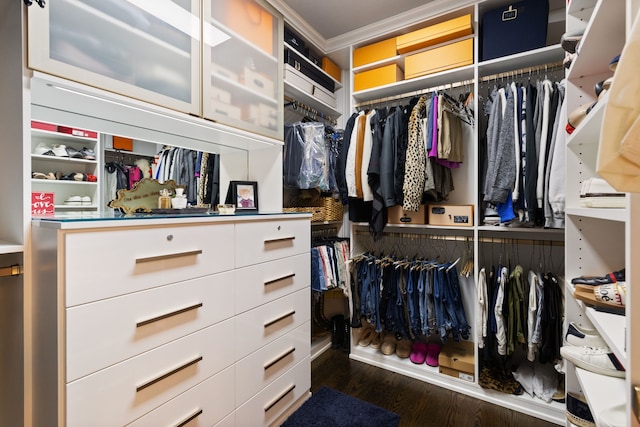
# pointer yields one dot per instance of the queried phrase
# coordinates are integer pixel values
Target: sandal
(613, 277)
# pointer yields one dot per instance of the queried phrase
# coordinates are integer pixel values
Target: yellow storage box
(331, 68)
(434, 34)
(374, 52)
(442, 58)
(377, 77)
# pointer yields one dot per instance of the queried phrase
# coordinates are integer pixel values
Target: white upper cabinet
(242, 65)
(148, 50)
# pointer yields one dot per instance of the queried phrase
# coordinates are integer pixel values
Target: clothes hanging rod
(11, 270)
(295, 104)
(549, 67)
(419, 92)
(462, 238)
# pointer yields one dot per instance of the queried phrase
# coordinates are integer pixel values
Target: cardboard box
(122, 143)
(374, 52)
(441, 58)
(307, 85)
(457, 359)
(377, 77)
(450, 215)
(43, 126)
(434, 34)
(258, 82)
(78, 132)
(397, 215)
(331, 68)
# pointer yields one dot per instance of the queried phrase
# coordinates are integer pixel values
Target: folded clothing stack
(597, 193)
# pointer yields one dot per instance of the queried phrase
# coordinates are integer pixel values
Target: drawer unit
(265, 282)
(143, 258)
(273, 400)
(124, 392)
(257, 242)
(262, 367)
(203, 405)
(307, 85)
(263, 324)
(122, 327)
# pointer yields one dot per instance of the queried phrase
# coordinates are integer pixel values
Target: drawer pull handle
(284, 316)
(279, 358)
(168, 256)
(190, 418)
(271, 282)
(168, 374)
(167, 315)
(281, 239)
(282, 396)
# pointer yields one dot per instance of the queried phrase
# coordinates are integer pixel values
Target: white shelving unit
(63, 189)
(597, 240)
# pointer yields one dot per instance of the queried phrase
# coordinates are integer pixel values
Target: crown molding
(395, 23)
(298, 24)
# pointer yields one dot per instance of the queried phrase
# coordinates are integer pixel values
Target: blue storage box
(514, 28)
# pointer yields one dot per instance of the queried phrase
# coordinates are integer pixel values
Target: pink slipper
(433, 351)
(418, 352)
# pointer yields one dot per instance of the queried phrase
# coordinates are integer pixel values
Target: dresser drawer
(126, 391)
(268, 240)
(121, 327)
(277, 397)
(259, 369)
(260, 326)
(203, 405)
(264, 282)
(103, 264)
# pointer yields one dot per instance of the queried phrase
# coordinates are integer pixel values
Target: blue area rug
(330, 408)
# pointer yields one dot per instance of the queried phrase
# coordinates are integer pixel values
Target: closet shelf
(531, 58)
(605, 214)
(313, 102)
(10, 248)
(595, 50)
(601, 391)
(543, 234)
(588, 131)
(612, 327)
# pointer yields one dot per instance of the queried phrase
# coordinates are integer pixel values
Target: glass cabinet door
(242, 65)
(149, 50)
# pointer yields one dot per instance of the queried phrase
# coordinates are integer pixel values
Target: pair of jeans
(370, 296)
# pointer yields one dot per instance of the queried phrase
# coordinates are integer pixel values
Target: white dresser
(195, 321)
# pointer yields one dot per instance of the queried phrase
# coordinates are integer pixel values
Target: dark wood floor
(419, 404)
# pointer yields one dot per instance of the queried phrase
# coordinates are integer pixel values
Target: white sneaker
(43, 149)
(86, 201)
(598, 360)
(580, 336)
(73, 201)
(60, 150)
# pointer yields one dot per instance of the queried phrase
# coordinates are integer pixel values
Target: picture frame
(244, 195)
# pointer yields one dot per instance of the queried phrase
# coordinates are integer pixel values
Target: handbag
(618, 159)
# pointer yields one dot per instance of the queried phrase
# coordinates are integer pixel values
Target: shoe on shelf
(366, 336)
(614, 63)
(85, 200)
(570, 42)
(598, 360)
(73, 201)
(579, 336)
(403, 347)
(610, 295)
(388, 345)
(578, 412)
(577, 116)
(88, 153)
(73, 153)
(60, 150)
(376, 341)
(433, 353)
(418, 352)
(613, 277)
(43, 149)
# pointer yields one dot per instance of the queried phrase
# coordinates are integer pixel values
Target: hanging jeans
(318, 282)
(454, 305)
(370, 297)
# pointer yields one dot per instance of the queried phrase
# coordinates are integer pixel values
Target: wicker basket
(317, 212)
(332, 208)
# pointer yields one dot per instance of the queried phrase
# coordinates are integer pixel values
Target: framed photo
(243, 194)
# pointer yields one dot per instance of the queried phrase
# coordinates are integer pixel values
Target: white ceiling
(331, 18)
